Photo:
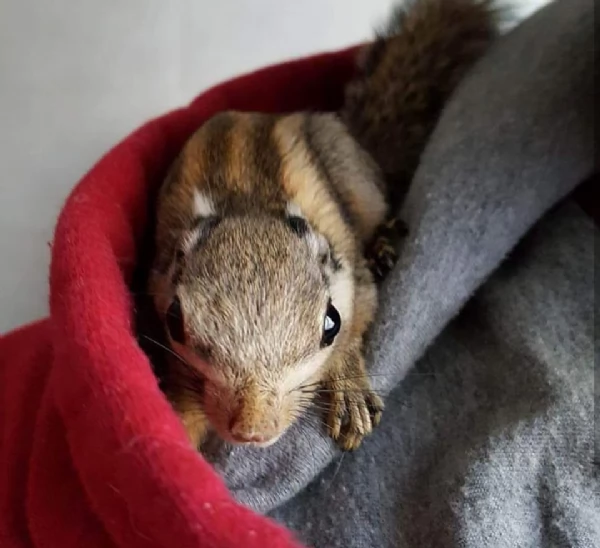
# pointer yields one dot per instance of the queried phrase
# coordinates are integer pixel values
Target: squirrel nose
(242, 432)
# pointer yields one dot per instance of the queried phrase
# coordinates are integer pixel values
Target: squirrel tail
(406, 76)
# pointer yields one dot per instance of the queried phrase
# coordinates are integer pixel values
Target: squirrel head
(256, 310)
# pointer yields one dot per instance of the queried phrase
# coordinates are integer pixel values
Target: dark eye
(331, 325)
(174, 321)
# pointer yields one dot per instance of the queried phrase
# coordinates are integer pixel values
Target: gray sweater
(485, 344)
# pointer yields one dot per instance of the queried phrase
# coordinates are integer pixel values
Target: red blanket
(90, 452)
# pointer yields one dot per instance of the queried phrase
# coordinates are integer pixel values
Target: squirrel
(261, 275)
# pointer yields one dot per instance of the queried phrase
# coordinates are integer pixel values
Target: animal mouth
(255, 441)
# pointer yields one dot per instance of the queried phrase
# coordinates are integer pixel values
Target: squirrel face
(257, 308)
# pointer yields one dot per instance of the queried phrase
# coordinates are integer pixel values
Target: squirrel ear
(317, 243)
(199, 230)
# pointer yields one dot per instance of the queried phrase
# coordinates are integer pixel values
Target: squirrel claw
(355, 411)
(382, 254)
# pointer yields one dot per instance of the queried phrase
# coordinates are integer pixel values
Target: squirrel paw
(382, 253)
(354, 411)
(383, 258)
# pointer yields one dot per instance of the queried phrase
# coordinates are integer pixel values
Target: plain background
(78, 75)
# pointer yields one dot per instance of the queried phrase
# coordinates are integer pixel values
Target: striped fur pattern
(264, 220)
(262, 223)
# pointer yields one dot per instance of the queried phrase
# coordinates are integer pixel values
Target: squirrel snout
(243, 428)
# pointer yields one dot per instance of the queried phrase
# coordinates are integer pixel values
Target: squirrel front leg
(186, 400)
(194, 421)
(354, 408)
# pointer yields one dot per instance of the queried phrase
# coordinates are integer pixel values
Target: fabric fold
(514, 140)
(91, 453)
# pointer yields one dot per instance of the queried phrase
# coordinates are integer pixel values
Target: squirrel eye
(331, 325)
(174, 321)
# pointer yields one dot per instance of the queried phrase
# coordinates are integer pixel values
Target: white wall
(78, 75)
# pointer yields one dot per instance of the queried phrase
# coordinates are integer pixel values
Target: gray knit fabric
(489, 440)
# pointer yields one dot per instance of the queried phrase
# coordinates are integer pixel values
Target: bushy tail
(407, 75)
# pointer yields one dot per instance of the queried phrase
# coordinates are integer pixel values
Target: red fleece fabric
(91, 454)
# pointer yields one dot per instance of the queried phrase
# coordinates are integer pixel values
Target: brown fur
(408, 75)
(254, 293)
(253, 289)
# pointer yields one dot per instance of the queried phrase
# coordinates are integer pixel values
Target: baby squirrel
(264, 223)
